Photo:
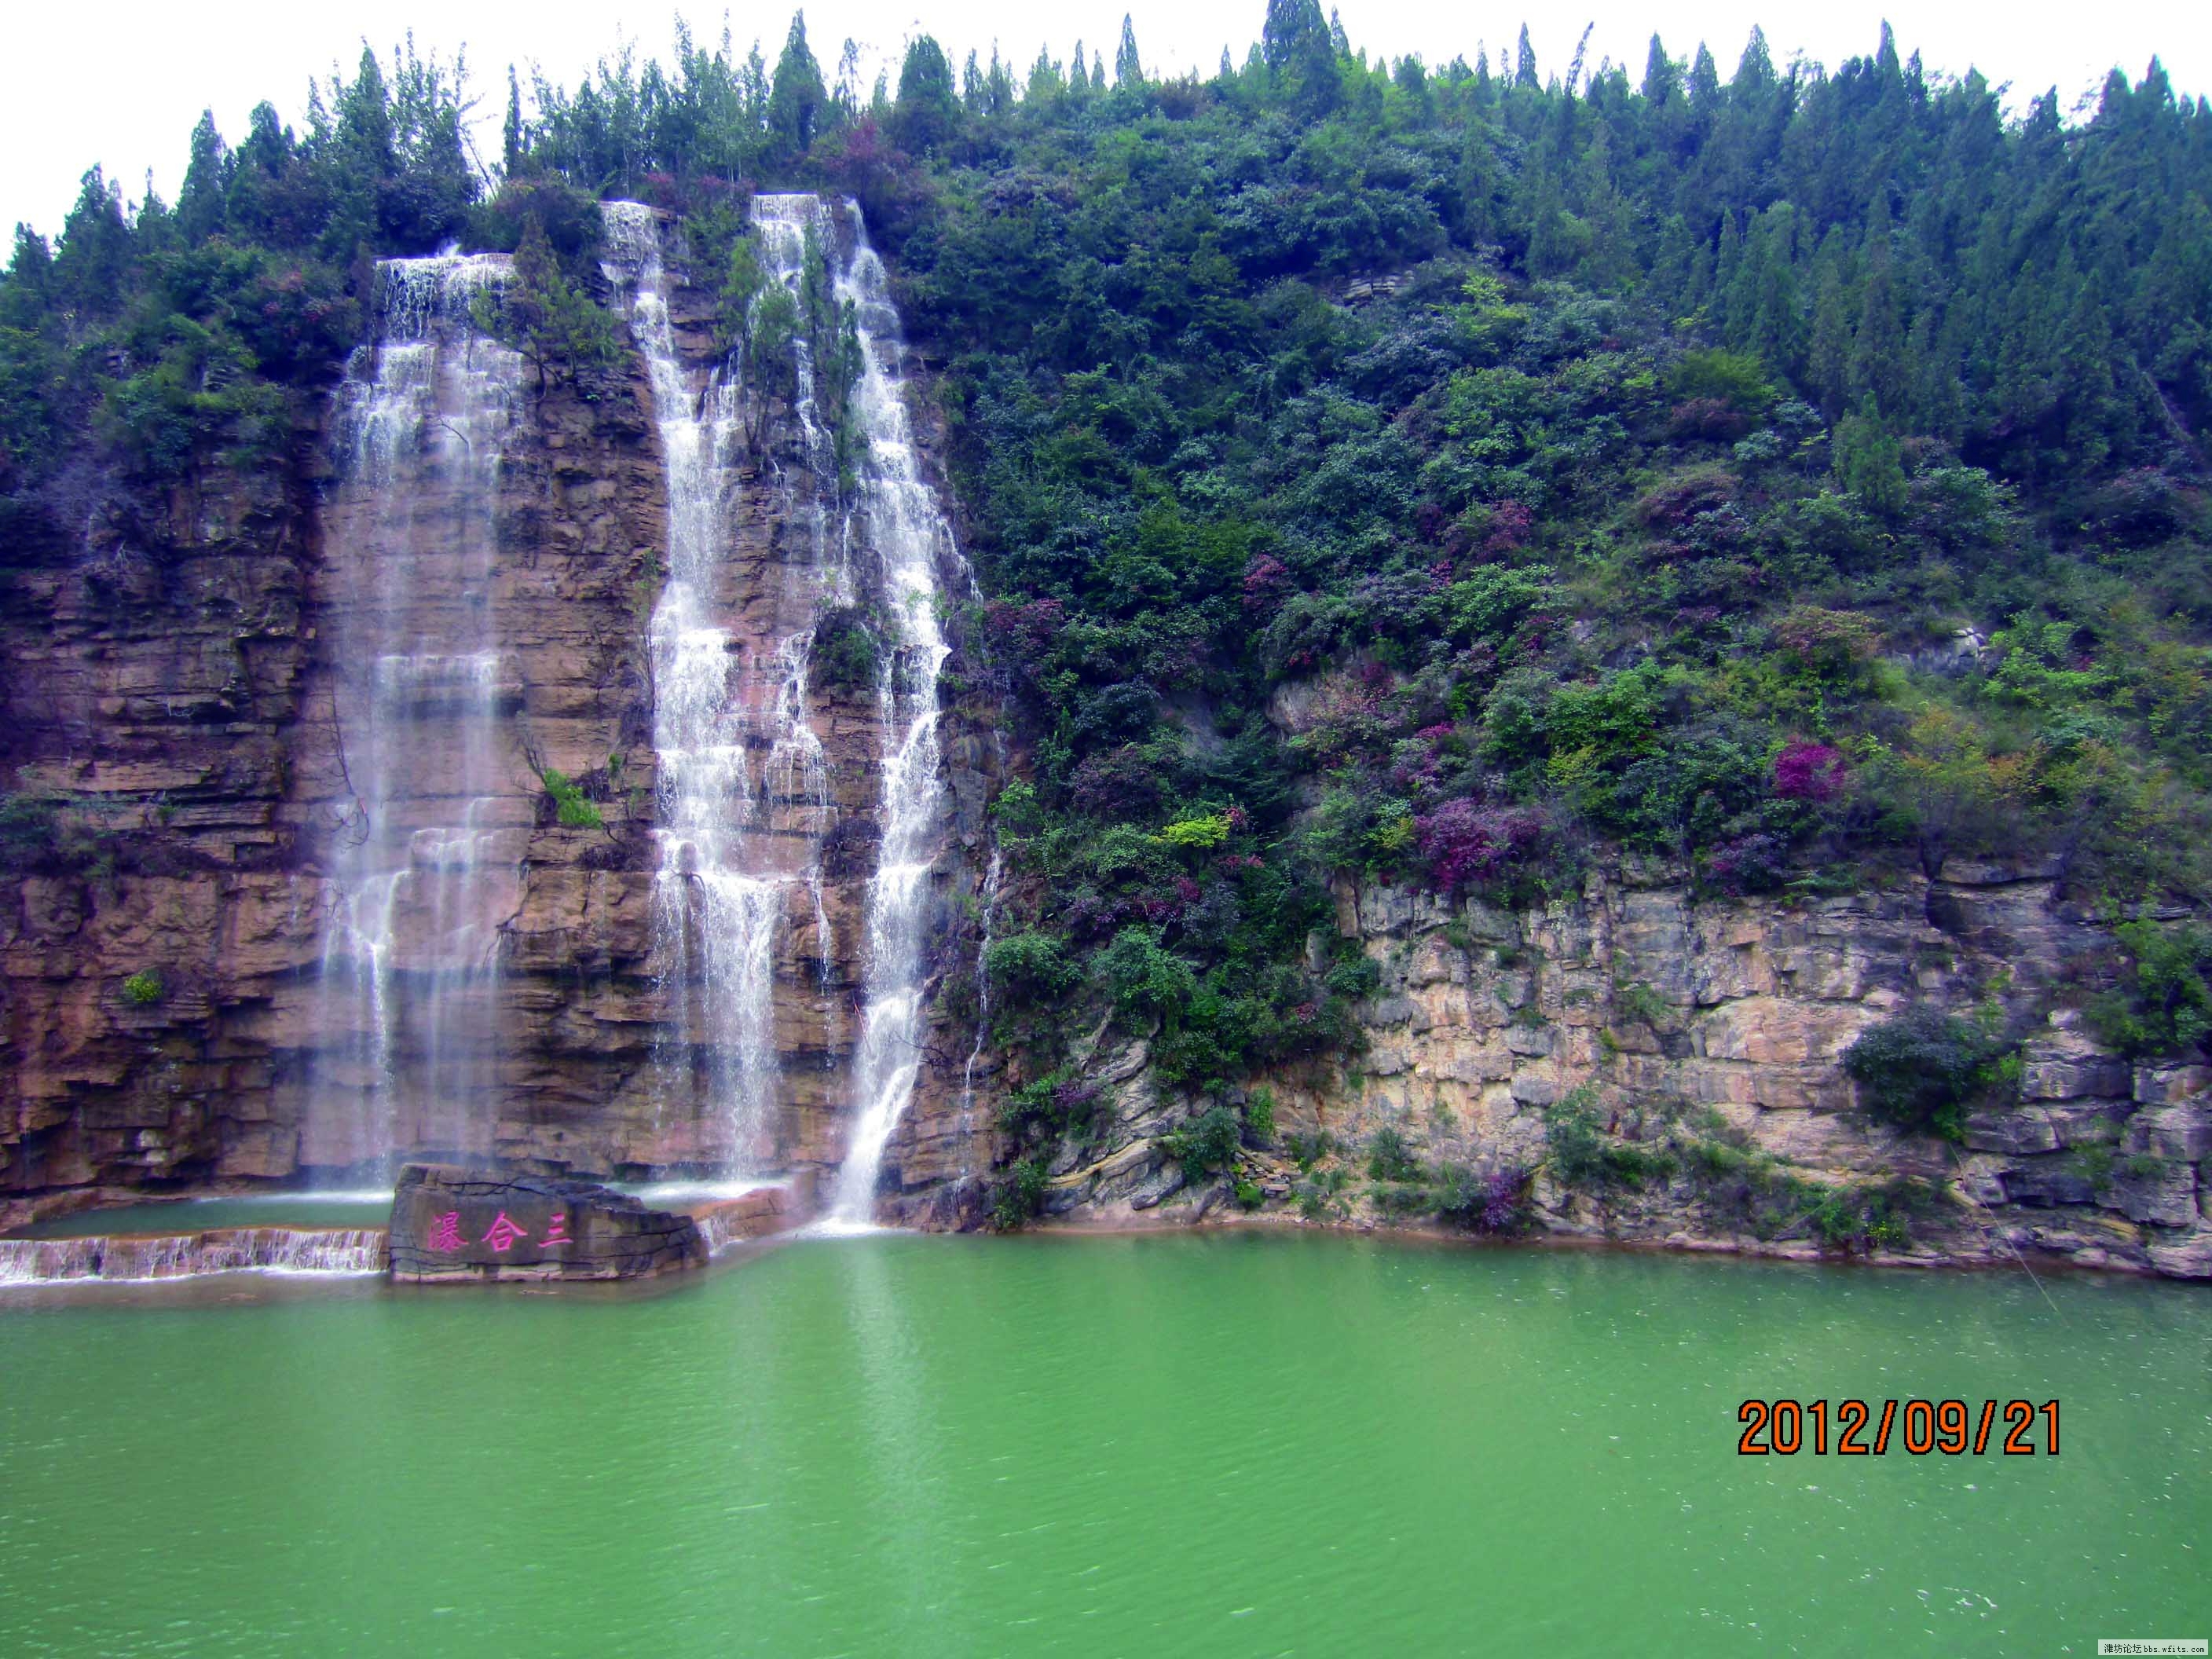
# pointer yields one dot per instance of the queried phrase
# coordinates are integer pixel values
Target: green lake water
(1229, 1444)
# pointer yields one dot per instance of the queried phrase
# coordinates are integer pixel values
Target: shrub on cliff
(571, 808)
(1854, 1218)
(1390, 1157)
(845, 649)
(1465, 843)
(1031, 969)
(1579, 1153)
(1206, 1144)
(1017, 1196)
(2163, 1004)
(1921, 1070)
(1495, 1202)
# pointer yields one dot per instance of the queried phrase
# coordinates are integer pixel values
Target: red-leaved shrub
(1809, 771)
(1464, 842)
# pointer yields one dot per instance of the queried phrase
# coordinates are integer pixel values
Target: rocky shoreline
(1706, 1025)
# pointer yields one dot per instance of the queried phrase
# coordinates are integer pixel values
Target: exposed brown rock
(451, 1225)
(174, 680)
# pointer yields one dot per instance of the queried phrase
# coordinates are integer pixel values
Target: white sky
(122, 84)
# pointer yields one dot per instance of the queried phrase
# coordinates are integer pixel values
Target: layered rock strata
(176, 702)
(1730, 1018)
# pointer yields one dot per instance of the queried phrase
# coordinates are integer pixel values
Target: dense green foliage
(2162, 1005)
(1436, 472)
(1924, 1068)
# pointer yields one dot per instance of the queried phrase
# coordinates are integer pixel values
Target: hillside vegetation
(1456, 473)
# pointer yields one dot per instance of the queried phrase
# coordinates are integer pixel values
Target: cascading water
(782, 228)
(426, 861)
(130, 1260)
(911, 537)
(989, 898)
(737, 840)
(744, 787)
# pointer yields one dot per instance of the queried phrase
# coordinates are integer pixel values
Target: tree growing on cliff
(553, 323)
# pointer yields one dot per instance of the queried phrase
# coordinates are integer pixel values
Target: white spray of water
(425, 867)
(907, 530)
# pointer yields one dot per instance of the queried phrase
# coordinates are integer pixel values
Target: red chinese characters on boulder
(502, 1234)
(444, 1233)
(556, 1231)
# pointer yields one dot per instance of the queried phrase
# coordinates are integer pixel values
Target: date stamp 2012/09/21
(1854, 1428)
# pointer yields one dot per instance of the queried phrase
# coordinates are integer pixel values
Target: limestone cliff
(1719, 1022)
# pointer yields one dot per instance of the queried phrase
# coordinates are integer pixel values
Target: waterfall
(128, 1259)
(910, 537)
(425, 864)
(736, 839)
(745, 791)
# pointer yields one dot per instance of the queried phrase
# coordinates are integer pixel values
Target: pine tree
(1828, 357)
(1045, 82)
(201, 202)
(1869, 462)
(1128, 68)
(1878, 370)
(92, 266)
(796, 104)
(511, 150)
(256, 167)
(550, 321)
(1608, 259)
(1662, 76)
(928, 111)
(1295, 45)
(847, 97)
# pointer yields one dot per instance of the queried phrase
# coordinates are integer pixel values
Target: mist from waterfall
(424, 864)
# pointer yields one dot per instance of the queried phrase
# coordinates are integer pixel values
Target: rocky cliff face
(1721, 1024)
(191, 717)
(177, 698)
(179, 707)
